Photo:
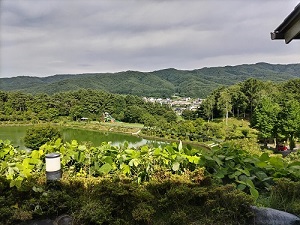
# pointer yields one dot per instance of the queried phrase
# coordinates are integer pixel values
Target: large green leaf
(129, 151)
(57, 143)
(217, 160)
(105, 169)
(194, 159)
(4, 151)
(134, 162)
(261, 164)
(250, 183)
(157, 151)
(276, 162)
(264, 157)
(261, 175)
(241, 187)
(254, 193)
(175, 166)
(229, 157)
(221, 173)
(74, 143)
(82, 147)
(180, 146)
(125, 169)
(244, 171)
(108, 159)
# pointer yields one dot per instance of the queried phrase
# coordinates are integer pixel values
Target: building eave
(289, 29)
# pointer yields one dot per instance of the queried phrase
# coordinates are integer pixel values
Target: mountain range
(161, 83)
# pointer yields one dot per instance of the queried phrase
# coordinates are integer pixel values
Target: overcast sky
(47, 37)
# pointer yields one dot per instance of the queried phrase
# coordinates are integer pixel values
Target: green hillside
(161, 83)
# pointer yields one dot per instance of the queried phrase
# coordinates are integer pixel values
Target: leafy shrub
(95, 212)
(285, 195)
(36, 136)
(164, 182)
(143, 213)
(294, 156)
(106, 201)
(6, 211)
(178, 218)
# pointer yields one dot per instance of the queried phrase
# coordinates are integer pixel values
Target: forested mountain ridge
(160, 83)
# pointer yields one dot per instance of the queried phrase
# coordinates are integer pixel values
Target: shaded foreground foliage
(121, 185)
(168, 199)
(285, 196)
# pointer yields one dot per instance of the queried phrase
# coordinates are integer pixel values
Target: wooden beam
(292, 32)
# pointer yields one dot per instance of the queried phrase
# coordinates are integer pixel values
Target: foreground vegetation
(169, 185)
(168, 200)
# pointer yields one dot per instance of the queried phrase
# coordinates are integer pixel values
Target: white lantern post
(53, 167)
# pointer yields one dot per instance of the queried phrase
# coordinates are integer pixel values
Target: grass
(117, 127)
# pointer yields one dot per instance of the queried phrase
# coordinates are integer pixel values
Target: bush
(37, 136)
(106, 201)
(143, 213)
(285, 196)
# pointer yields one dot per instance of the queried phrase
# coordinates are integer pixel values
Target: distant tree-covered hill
(161, 83)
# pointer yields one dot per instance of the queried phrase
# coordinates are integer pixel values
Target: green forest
(72, 106)
(164, 83)
(180, 183)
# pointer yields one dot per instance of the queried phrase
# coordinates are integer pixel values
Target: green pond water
(16, 135)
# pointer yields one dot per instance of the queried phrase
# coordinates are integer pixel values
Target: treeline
(19, 106)
(273, 109)
(200, 130)
(164, 83)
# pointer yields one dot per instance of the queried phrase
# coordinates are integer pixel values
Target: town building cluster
(178, 104)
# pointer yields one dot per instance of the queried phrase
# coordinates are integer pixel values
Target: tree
(149, 120)
(265, 118)
(3, 100)
(251, 88)
(289, 120)
(133, 114)
(208, 107)
(39, 135)
(3, 96)
(18, 101)
(239, 100)
(292, 86)
(198, 124)
(189, 114)
(224, 103)
(170, 116)
(76, 112)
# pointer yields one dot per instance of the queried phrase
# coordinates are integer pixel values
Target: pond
(16, 135)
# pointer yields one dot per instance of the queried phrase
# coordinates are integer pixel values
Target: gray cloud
(41, 38)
